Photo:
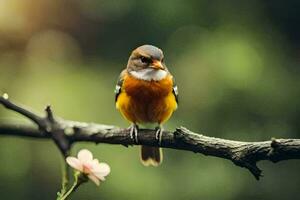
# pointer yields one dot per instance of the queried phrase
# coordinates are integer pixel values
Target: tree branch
(65, 133)
(47, 125)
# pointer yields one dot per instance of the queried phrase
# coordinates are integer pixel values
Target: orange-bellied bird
(146, 93)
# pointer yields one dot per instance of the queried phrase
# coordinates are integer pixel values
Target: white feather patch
(149, 74)
(175, 90)
(117, 89)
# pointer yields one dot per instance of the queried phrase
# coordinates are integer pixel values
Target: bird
(146, 93)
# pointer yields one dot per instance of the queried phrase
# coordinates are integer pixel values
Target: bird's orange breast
(143, 101)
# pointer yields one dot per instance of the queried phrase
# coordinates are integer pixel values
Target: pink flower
(87, 165)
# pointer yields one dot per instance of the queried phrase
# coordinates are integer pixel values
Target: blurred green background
(236, 64)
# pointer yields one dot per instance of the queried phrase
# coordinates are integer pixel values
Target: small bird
(146, 93)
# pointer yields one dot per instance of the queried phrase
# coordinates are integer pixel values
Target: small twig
(47, 125)
(243, 154)
(11, 106)
(57, 132)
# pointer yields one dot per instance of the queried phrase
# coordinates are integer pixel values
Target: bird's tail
(151, 156)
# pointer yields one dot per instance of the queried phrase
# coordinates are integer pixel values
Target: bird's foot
(134, 133)
(158, 134)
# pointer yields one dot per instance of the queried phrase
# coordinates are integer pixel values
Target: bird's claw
(134, 133)
(158, 134)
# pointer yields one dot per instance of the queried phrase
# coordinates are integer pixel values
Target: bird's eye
(146, 60)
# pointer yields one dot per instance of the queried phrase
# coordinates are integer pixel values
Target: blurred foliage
(236, 64)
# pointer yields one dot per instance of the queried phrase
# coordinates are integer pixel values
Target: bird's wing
(119, 84)
(175, 90)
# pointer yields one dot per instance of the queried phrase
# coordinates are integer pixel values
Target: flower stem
(65, 180)
(77, 182)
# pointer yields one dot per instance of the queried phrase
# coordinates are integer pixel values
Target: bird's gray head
(147, 62)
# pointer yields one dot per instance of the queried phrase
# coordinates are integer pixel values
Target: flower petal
(101, 170)
(95, 161)
(74, 163)
(85, 155)
(94, 179)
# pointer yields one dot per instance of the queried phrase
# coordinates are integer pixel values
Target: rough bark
(65, 133)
